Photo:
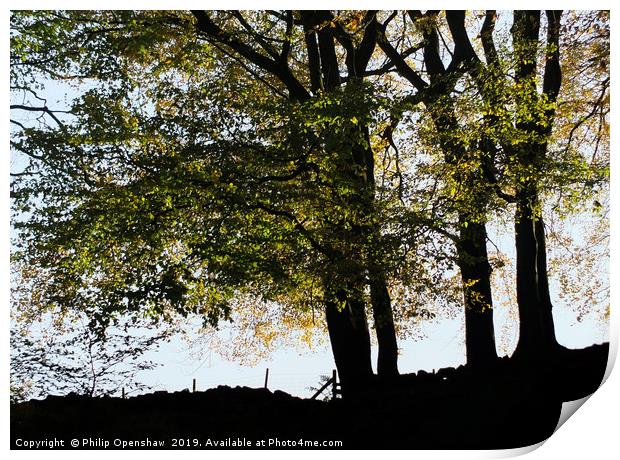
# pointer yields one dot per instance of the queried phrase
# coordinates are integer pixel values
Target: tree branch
(399, 61)
(463, 49)
(266, 46)
(43, 109)
(486, 37)
(298, 226)
(312, 48)
(205, 25)
(286, 46)
(552, 79)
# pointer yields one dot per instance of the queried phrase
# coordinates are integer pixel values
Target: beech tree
(502, 157)
(321, 144)
(520, 117)
(470, 192)
(207, 157)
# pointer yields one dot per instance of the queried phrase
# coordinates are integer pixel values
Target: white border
(592, 433)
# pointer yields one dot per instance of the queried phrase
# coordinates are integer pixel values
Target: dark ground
(512, 406)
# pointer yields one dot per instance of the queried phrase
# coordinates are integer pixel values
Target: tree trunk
(546, 306)
(387, 361)
(350, 341)
(531, 328)
(537, 331)
(472, 254)
(537, 335)
(347, 327)
(476, 277)
(471, 247)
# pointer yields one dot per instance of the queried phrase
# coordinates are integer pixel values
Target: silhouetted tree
(69, 357)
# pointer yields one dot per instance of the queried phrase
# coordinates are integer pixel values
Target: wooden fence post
(193, 385)
(123, 392)
(334, 384)
(266, 377)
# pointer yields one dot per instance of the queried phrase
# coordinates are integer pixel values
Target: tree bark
(476, 278)
(350, 341)
(546, 306)
(387, 360)
(537, 331)
(531, 330)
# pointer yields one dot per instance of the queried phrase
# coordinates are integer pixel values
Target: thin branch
(286, 47)
(15, 122)
(592, 113)
(248, 69)
(399, 62)
(266, 46)
(206, 26)
(43, 109)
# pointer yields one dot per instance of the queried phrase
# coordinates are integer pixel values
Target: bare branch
(43, 109)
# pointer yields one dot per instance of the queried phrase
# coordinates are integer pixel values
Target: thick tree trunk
(537, 331)
(546, 306)
(476, 277)
(347, 326)
(325, 74)
(387, 361)
(350, 341)
(531, 328)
